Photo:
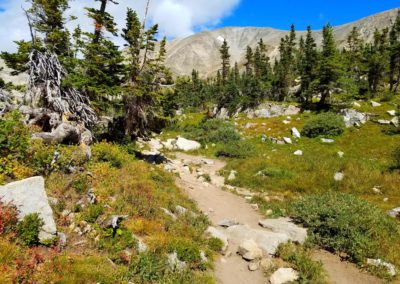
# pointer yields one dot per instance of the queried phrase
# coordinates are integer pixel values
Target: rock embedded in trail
(227, 223)
(285, 226)
(187, 145)
(29, 196)
(249, 250)
(284, 275)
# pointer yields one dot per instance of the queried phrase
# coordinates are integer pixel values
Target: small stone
(391, 112)
(227, 223)
(298, 153)
(296, 133)
(339, 176)
(391, 269)
(253, 266)
(203, 257)
(375, 104)
(249, 250)
(286, 122)
(328, 141)
(383, 122)
(385, 199)
(287, 140)
(232, 175)
(174, 263)
(254, 206)
(377, 190)
(355, 104)
(269, 212)
(340, 154)
(395, 212)
(284, 275)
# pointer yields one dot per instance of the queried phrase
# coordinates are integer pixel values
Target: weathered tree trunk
(45, 89)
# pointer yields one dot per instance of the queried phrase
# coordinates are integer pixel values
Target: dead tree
(45, 89)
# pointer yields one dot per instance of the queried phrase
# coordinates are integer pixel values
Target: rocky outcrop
(269, 110)
(354, 118)
(29, 196)
(187, 145)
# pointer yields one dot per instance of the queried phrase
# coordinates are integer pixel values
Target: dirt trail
(221, 205)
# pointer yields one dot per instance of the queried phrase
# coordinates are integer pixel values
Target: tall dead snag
(45, 89)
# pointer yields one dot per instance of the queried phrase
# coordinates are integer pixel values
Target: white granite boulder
(29, 196)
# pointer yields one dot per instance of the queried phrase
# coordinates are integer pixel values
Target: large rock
(354, 118)
(29, 196)
(268, 241)
(285, 226)
(269, 110)
(249, 250)
(284, 275)
(187, 145)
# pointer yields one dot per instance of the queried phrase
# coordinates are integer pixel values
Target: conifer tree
(308, 64)
(330, 67)
(225, 61)
(249, 61)
(394, 53)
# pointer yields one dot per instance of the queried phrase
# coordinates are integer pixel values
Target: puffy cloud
(176, 18)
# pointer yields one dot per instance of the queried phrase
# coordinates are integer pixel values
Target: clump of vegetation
(236, 150)
(93, 212)
(325, 124)
(211, 131)
(309, 271)
(8, 218)
(28, 229)
(342, 222)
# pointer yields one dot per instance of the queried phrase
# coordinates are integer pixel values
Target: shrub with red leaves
(26, 266)
(8, 217)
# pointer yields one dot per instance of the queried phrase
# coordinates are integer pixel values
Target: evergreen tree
(376, 60)
(330, 68)
(308, 64)
(249, 61)
(225, 61)
(394, 53)
(48, 19)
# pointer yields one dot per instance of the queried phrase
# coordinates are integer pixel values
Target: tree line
(302, 72)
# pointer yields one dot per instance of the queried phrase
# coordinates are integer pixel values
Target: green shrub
(186, 250)
(116, 241)
(106, 152)
(212, 131)
(309, 271)
(341, 222)
(93, 212)
(325, 124)
(148, 268)
(14, 136)
(236, 150)
(28, 229)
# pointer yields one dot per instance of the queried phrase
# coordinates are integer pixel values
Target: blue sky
(181, 18)
(282, 13)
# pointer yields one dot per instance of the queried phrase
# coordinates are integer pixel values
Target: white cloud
(176, 18)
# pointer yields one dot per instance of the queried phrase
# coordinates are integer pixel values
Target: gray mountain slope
(201, 51)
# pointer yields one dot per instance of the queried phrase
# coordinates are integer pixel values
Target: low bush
(8, 218)
(14, 136)
(309, 271)
(93, 212)
(236, 150)
(212, 131)
(28, 229)
(325, 124)
(106, 152)
(341, 222)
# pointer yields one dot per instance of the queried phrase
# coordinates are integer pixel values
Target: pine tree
(48, 19)
(330, 68)
(308, 64)
(225, 61)
(249, 61)
(394, 50)
(376, 60)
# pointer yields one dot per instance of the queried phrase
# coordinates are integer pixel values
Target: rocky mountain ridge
(201, 51)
